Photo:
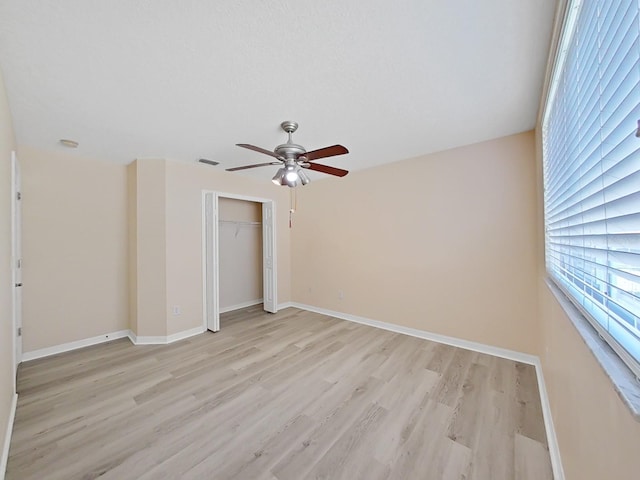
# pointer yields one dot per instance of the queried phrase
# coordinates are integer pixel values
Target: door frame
(211, 250)
(16, 264)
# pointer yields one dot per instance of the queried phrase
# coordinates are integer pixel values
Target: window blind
(591, 171)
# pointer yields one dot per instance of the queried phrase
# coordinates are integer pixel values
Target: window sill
(624, 382)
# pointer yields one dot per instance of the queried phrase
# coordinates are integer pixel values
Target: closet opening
(239, 267)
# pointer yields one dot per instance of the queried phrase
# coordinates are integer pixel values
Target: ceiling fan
(294, 159)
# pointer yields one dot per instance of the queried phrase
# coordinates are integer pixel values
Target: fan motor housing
(290, 150)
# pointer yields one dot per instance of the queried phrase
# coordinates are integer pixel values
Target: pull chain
(293, 204)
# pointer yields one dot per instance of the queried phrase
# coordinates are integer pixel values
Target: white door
(269, 258)
(212, 307)
(16, 258)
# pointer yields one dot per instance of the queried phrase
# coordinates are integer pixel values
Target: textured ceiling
(189, 79)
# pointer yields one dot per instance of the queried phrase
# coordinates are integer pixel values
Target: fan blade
(258, 149)
(338, 172)
(252, 166)
(325, 152)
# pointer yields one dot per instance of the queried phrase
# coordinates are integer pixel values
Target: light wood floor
(294, 395)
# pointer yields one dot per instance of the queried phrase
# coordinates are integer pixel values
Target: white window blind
(592, 171)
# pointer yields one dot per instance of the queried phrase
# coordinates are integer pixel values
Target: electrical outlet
(177, 310)
(340, 294)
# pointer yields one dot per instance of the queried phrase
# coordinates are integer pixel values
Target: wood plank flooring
(294, 395)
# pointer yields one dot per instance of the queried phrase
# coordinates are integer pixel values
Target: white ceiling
(191, 78)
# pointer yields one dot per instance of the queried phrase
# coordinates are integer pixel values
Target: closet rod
(235, 222)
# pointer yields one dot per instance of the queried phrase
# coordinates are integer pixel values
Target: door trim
(16, 238)
(211, 319)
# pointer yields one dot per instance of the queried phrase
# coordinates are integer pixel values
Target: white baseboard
(552, 441)
(148, 339)
(185, 334)
(164, 340)
(250, 303)
(65, 347)
(435, 337)
(7, 436)
(554, 450)
(107, 337)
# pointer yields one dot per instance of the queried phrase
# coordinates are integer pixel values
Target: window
(591, 163)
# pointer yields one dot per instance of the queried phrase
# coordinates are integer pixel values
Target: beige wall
(185, 184)
(167, 248)
(598, 437)
(232, 209)
(132, 247)
(74, 248)
(7, 144)
(110, 247)
(149, 279)
(443, 243)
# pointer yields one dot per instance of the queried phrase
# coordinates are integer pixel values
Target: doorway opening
(240, 237)
(232, 224)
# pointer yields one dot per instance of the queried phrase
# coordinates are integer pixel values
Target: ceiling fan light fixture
(279, 177)
(304, 178)
(292, 174)
(291, 179)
